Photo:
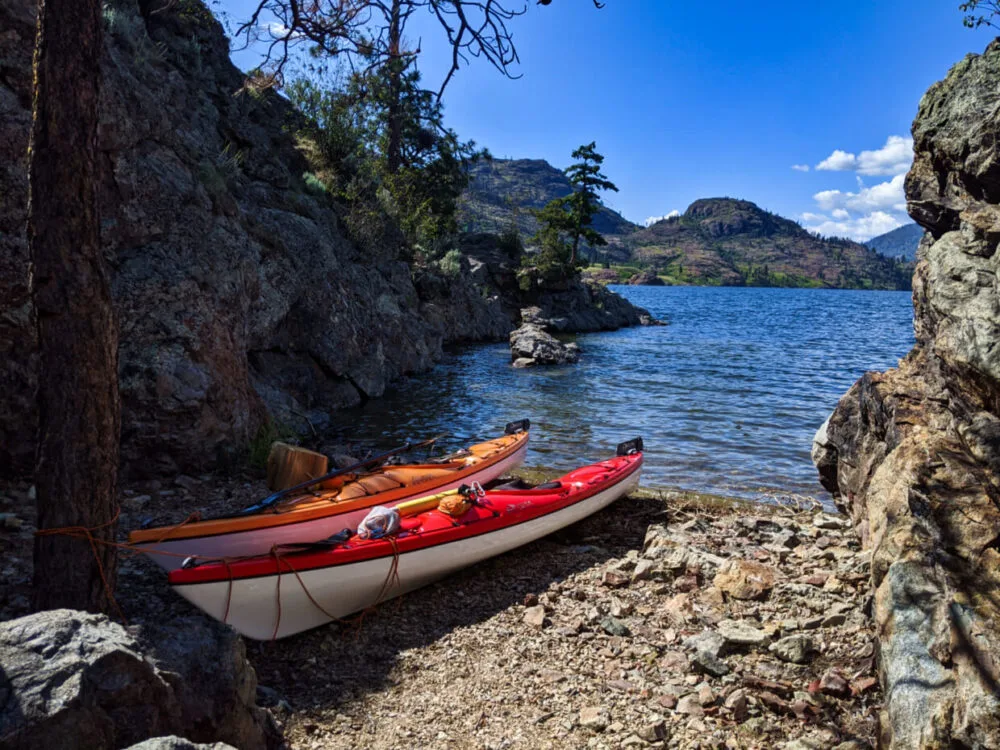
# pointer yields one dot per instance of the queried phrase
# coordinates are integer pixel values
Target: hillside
(499, 186)
(723, 241)
(899, 243)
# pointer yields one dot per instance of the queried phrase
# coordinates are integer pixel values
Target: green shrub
(314, 185)
(451, 263)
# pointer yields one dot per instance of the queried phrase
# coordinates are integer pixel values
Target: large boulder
(72, 680)
(913, 454)
(533, 345)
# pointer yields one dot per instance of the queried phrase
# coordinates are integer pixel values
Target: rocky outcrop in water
(73, 680)
(913, 454)
(532, 345)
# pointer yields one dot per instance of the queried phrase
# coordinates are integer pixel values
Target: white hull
(260, 541)
(344, 589)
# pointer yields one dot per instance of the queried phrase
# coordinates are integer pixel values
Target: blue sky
(688, 100)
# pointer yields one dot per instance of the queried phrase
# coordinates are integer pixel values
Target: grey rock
(706, 663)
(532, 342)
(77, 680)
(613, 626)
(706, 642)
(177, 743)
(797, 649)
(741, 634)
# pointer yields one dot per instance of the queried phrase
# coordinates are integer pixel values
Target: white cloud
(839, 213)
(861, 228)
(276, 30)
(884, 196)
(838, 161)
(893, 158)
(814, 218)
(653, 219)
(800, 167)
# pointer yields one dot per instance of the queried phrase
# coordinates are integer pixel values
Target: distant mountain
(499, 188)
(728, 242)
(899, 243)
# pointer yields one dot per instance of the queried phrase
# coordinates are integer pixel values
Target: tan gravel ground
(670, 619)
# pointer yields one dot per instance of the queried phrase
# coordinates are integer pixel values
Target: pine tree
(564, 222)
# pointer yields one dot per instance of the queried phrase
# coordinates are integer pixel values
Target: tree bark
(76, 469)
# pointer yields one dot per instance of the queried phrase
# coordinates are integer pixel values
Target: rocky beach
(671, 619)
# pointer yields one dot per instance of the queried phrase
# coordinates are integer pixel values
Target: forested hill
(500, 189)
(899, 243)
(723, 241)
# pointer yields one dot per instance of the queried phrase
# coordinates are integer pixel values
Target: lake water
(727, 397)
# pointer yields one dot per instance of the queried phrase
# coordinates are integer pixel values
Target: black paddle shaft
(271, 500)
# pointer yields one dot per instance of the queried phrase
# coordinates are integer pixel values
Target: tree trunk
(76, 470)
(394, 147)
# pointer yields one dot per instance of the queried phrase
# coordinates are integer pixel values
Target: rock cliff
(240, 296)
(913, 454)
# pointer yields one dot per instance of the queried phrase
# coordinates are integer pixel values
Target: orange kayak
(340, 503)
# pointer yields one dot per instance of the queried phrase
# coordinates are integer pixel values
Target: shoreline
(592, 637)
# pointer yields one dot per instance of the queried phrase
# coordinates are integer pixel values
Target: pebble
(793, 648)
(596, 718)
(535, 616)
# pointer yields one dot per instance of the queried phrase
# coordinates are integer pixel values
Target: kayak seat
(410, 476)
(514, 484)
(554, 485)
(379, 483)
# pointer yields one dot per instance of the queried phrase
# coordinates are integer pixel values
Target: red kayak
(295, 589)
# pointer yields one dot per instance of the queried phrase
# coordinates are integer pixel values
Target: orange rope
(84, 532)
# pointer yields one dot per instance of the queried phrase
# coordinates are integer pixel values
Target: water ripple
(727, 397)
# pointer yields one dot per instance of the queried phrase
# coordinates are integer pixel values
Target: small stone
(535, 616)
(523, 362)
(611, 626)
(10, 521)
(745, 579)
(689, 705)
(823, 542)
(136, 503)
(643, 570)
(596, 718)
(686, 584)
(530, 600)
(787, 539)
(814, 580)
(711, 665)
(707, 642)
(188, 483)
(705, 695)
(832, 621)
(830, 521)
(796, 649)
(834, 585)
(740, 634)
(833, 683)
(668, 700)
(737, 705)
(615, 579)
(655, 732)
(619, 608)
(863, 685)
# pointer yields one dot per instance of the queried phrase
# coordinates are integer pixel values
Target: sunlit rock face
(913, 454)
(239, 295)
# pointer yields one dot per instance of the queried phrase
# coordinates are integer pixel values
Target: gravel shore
(670, 619)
